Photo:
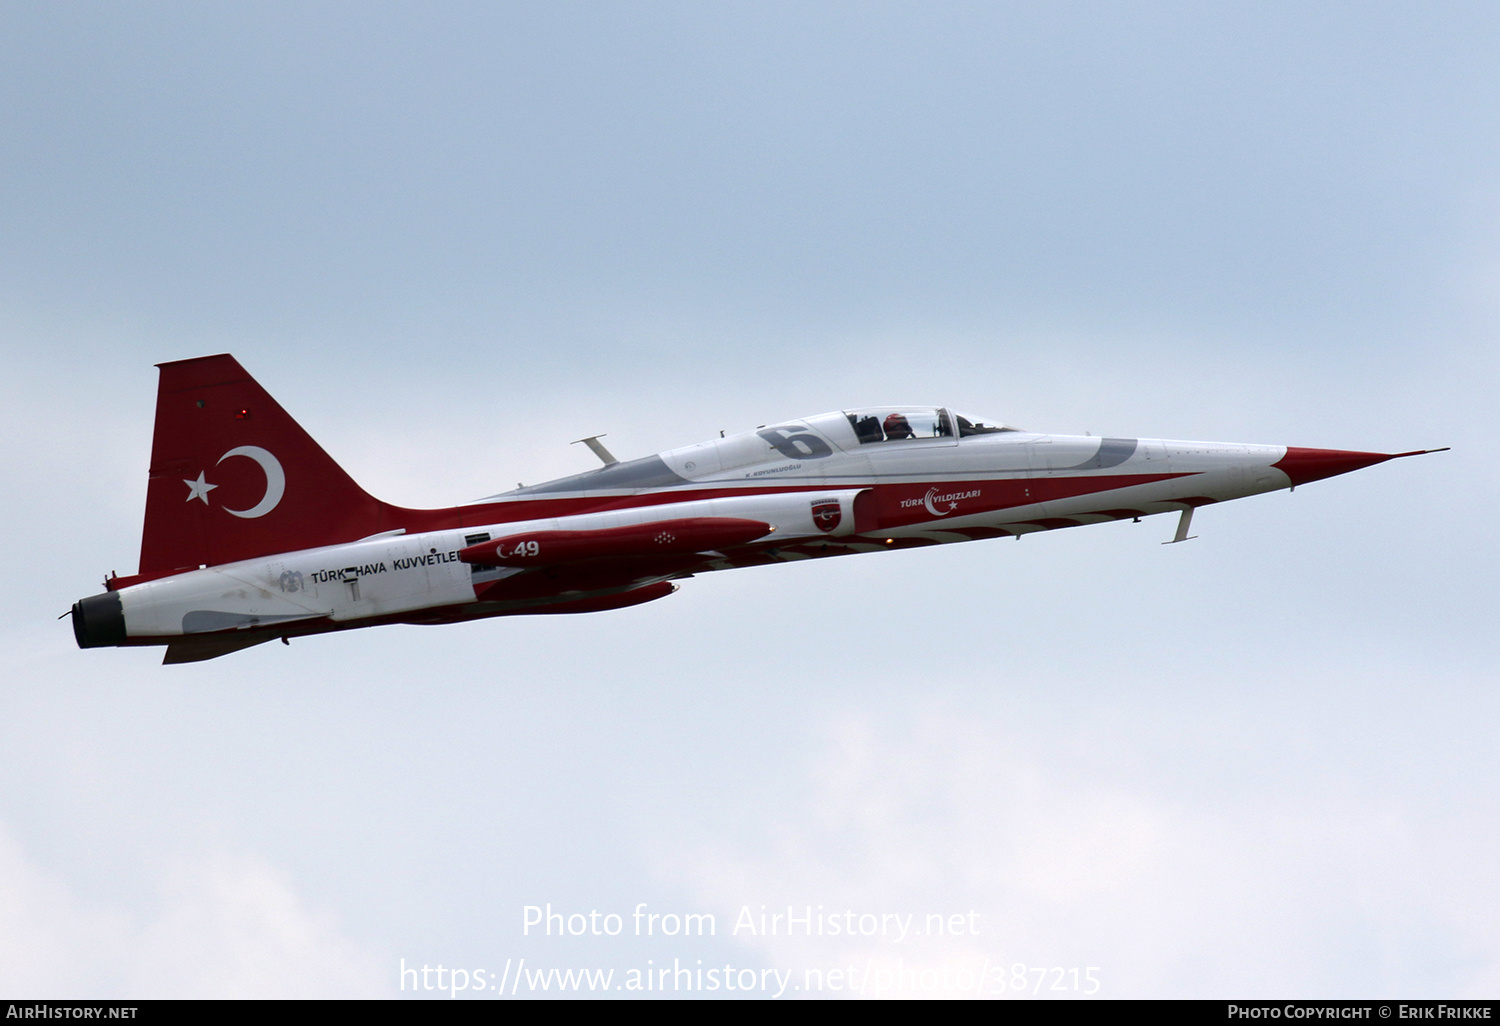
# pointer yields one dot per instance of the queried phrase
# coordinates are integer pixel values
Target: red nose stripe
(1304, 465)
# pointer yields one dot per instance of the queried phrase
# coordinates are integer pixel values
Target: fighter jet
(254, 534)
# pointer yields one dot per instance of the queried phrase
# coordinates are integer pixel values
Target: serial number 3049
(1038, 980)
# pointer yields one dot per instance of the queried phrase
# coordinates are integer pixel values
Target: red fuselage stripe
(1003, 493)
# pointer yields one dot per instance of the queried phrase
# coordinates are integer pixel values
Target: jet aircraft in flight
(253, 533)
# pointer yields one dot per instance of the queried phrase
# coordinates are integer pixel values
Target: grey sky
(451, 239)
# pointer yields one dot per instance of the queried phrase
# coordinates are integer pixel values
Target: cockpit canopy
(974, 426)
(903, 423)
(899, 424)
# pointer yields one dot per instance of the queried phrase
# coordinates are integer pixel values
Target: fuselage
(835, 484)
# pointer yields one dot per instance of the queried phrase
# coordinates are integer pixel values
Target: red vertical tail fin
(234, 477)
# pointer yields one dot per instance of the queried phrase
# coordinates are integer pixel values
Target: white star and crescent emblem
(275, 482)
(199, 489)
(927, 500)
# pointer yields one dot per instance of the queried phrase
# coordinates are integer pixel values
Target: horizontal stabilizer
(195, 650)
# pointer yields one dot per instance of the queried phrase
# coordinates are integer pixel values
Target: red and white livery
(254, 533)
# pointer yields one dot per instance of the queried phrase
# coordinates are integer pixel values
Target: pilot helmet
(896, 426)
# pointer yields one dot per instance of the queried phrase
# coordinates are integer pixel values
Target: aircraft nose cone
(1304, 465)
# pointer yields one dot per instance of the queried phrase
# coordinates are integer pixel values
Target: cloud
(1073, 858)
(222, 927)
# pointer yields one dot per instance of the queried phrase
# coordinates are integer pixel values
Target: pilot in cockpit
(896, 427)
